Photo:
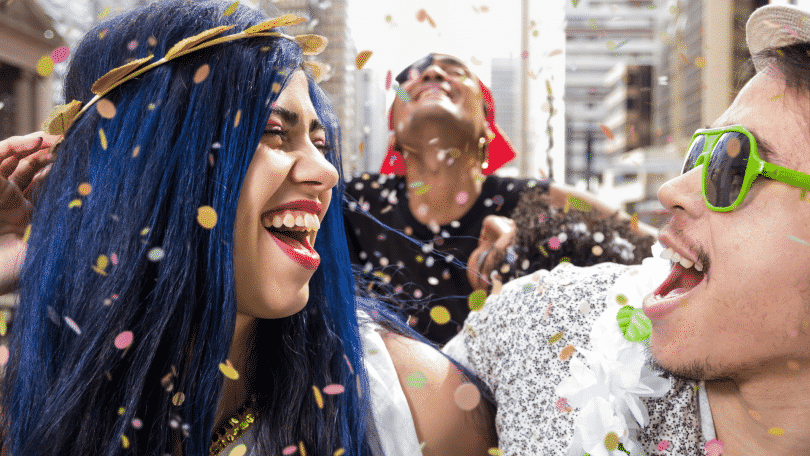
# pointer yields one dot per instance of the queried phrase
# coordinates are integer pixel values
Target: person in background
(433, 223)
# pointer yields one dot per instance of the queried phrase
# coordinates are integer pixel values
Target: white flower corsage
(607, 386)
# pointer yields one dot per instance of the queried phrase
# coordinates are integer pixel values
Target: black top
(429, 269)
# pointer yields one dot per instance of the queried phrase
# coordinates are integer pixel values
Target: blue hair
(131, 256)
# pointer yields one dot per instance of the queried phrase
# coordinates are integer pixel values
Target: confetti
(3, 355)
(555, 338)
(237, 119)
(105, 108)
(776, 97)
(755, 415)
(554, 243)
(333, 389)
(567, 352)
(388, 79)
(575, 3)
(662, 445)
(498, 451)
(103, 33)
(776, 431)
(714, 447)
(145, 231)
(733, 147)
(121, 411)
(136, 151)
(555, 52)
(462, 197)
(72, 324)
(132, 45)
(440, 314)
(103, 138)
(607, 132)
(621, 299)
(45, 66)
(467, 396)
(178, 399)
(476, 300)
(123, 340)
(227, 370)
(611, 441)
(700, 62)
(59, 55)
(231, 9)
(137, 423)
(597, 250)
(361, 59)
(416, 380)
(339, 452)
(155, 254)
(318, 397)
(206, 217)
(423, 16)
(124, 441)
(202, 73)
(238, 450)
(152, 41)
(634, 324)
(104, 13)
(289, 450)
(634, 221)
(794, 238)
(578, 203)
(276, 87)
(48, 33)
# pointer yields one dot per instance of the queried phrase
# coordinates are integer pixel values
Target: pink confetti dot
(542, 218)
(663, 445)
(462, 197)
(3, 355)
(554, 243)
(132, 45)
(114, 259)
(73, 325)
(137, 423)
(333, 389)
(289, 450)
(123, 340)
(714, 447)
(388, 79)
(60, 54)
(561, 404)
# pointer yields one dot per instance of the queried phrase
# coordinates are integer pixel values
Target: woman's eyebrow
(292, 118)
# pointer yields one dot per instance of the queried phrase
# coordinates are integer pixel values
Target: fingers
(25, 145)
(24, 173)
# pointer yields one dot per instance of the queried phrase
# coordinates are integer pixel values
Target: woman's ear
(392, 142)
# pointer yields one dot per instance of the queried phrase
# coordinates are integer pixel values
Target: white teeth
(676, 258)
(686, 263)
(277, 222)
(667, 253)
(289, 221)
(299, 221)
(303, 221)
(699, 267)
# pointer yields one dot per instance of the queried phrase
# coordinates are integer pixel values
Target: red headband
(499, 150)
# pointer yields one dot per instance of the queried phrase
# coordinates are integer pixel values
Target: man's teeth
(675, 257)
(309, 222)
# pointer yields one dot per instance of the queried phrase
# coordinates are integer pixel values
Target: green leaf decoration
(184, 46)
(117, 75)
(635, 326)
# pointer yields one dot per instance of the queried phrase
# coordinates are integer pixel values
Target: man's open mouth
(686, 274)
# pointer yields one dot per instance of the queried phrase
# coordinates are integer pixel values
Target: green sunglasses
(731, 164)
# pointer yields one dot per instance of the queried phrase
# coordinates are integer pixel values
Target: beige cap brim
(775, 26)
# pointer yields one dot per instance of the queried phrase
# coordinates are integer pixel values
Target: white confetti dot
(433, 281)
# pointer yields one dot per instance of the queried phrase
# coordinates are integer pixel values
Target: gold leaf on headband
(192, 41)
(114, 76)
(281, 21)
(61, 117)
(312, 44)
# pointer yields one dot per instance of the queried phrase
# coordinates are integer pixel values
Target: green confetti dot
(416, 380)
(440, 314)
(635, 326)
(556, 337)
(155, 254)
(231, 9)
(477, 299)
(621, 299)
(528, 288)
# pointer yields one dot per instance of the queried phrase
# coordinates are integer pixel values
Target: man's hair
(174, 145)
(548, 235)
(793, 61)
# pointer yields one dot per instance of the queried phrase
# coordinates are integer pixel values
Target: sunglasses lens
(419, 65)
(726, 169)
(695, 149)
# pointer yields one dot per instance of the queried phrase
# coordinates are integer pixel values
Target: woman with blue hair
(185, 289)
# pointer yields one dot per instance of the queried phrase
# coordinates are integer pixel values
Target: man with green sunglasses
(705, 350)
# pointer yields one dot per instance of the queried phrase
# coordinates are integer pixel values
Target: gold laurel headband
(62, 116)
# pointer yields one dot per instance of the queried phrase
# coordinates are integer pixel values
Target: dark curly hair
(547, 236)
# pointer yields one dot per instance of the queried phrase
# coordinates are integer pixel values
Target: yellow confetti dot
(611, 441)
(495, 452)
(206, 217)
(440, 314)
(105, 108)
(84, 189)
(151, 106)
(231, 9)
(776, 431)
(318, 396)
(361, 59)
(202, 73)
(178, 399)
(700, 62)
(597, 250)
(121, 410)
(104, 13)
(27, 233)
(339, 452)
(103, 138)
(567, 352)
(145, 231)
(302, 449)
(238, 450)
(276, 87)
(124, 441)
(3, 323)
(621, 299)
(228, 370)
(45, 66)
(101, 264)
(237, 119)
(75, 203)
(477, 299)
(152, 41)
(634, 221)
